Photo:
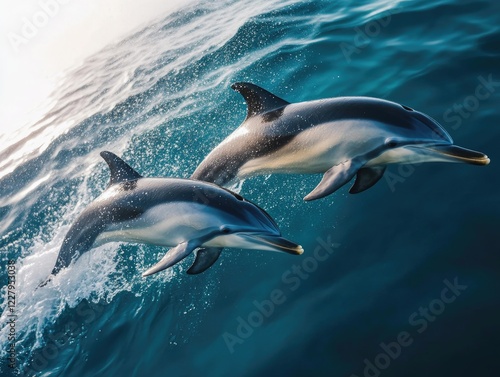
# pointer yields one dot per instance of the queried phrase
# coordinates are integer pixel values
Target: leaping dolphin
(189, 215)
(340, 137)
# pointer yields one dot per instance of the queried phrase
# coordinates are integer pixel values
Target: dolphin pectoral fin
(172, 257)
(205, 257)
(366, 178)
(333, 179)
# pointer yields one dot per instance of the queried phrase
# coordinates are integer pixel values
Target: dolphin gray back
(83, 233)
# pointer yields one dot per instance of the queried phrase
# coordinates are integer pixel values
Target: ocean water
(401, 280)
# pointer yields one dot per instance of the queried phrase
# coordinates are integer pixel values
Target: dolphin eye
(225, 230)
(391, 143)
(407, 108)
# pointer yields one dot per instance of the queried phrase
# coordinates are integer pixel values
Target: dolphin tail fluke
(366, 178)
(333, 179)
(172, 257)
(205, 257)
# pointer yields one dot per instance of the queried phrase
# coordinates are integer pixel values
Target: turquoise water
(375, 265)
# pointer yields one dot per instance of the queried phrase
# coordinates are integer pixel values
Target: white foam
(95, 276)
(237, 186)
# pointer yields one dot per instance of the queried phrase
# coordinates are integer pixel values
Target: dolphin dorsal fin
(258, 100)
(120, 171)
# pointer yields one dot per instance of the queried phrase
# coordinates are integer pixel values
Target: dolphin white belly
(315, 150)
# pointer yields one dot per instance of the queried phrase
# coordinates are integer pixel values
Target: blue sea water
(377, 267)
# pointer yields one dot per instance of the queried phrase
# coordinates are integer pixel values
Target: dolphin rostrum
(180, 213)
(341, 137)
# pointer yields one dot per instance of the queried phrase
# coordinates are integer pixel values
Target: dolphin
(342, 138)
(180, 213)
